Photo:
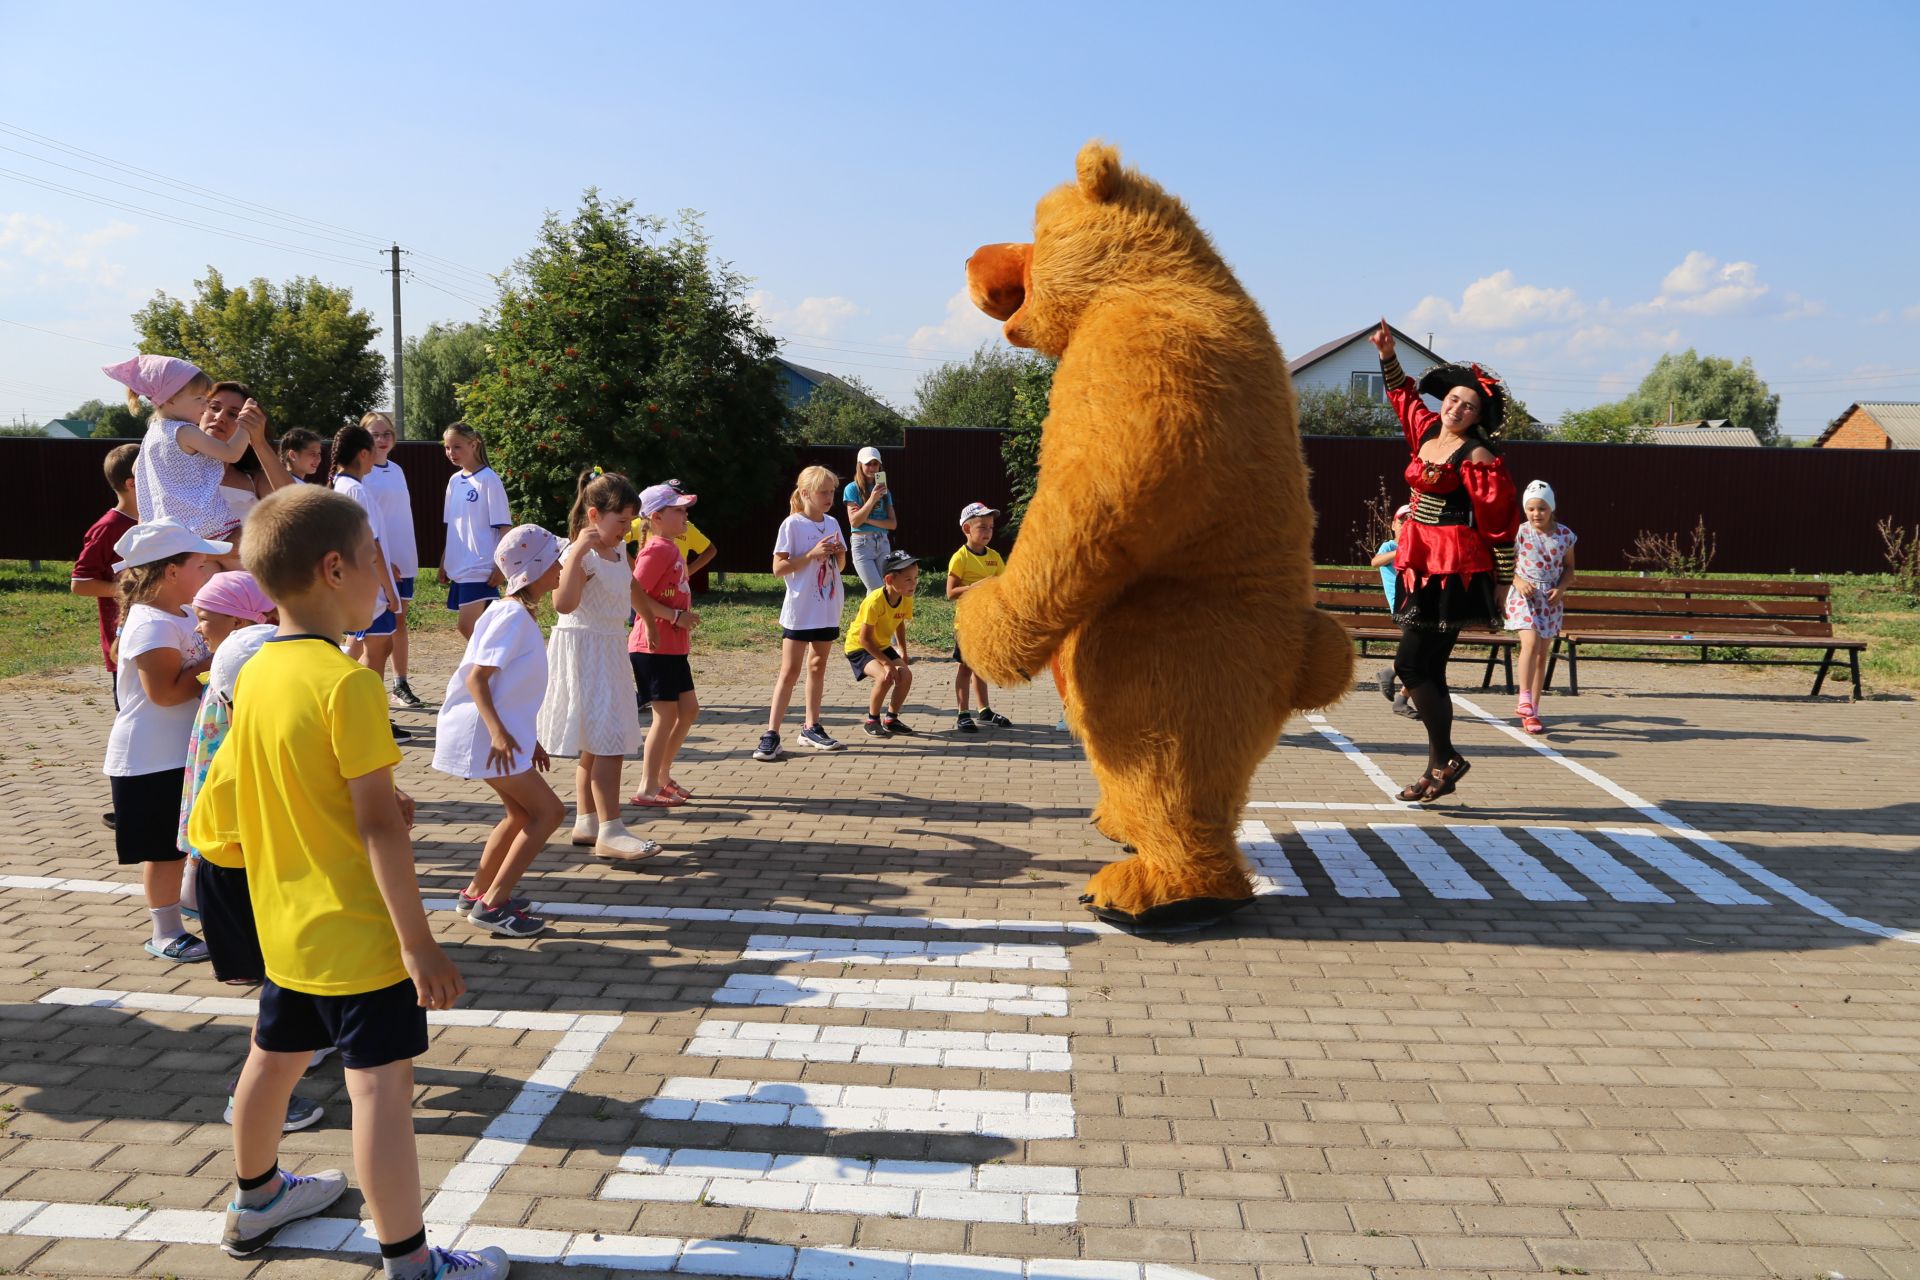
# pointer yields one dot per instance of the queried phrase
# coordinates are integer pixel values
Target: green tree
(1687, 386)
(110, 421)
(975, 392)
(619, 348)
(846, 412)
(1520, 424)
(1342, 411)
(1611, 423)
(21, 427)
(1020, 447)
(302, 347)
(435, 364)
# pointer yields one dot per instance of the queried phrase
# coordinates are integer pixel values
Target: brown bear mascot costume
(1165, 562)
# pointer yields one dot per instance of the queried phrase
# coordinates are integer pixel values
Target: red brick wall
(1857, 430)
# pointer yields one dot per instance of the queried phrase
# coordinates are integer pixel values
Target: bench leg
(1853, 661)
(1486, 676)
(1553, 660)
(1820, 676)
(1506, 658)
(1573, 669)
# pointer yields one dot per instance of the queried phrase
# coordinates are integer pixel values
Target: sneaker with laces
(817, 737)
(874, 729)
(402, 695)
(769, 748)
(489, 1263)
(247, 1230)
(399, 734)
(302, 1113)
(994, 718)
(894, 724)
(964, 723)
(185, 949)
(508, 921)
(470, 905)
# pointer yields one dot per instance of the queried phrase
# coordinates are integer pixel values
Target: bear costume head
(1164, 565)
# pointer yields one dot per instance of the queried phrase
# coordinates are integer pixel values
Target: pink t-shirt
(661, 571)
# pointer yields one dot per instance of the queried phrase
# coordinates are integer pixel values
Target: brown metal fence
(1769, 510)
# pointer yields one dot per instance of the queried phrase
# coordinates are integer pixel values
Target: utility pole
(399, 400)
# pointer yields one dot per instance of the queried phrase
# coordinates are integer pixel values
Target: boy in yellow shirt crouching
(303, 789)
(971, 565)
(877, 643)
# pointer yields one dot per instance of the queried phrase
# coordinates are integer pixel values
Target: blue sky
(1560, 191)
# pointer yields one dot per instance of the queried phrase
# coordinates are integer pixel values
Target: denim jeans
(870, 551)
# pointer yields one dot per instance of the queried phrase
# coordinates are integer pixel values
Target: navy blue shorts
(384, 625)
(405, 586)
(143, 831)
(460, 593)
(372, 1028)
(226, 920)
(812, 635)
(661, 677)
(859, 659)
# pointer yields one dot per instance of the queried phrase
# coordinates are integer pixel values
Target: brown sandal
(1417, 791)
(1444, 782)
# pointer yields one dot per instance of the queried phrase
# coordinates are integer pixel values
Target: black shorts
(146, 824)
(812, 635)
(661, 677)
(859, 658)
(226, 921)
(956, 654)
(372, 1028)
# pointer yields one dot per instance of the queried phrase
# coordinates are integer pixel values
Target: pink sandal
(665, 800)
(1532, 724)
(678, 790)
(1525, 707)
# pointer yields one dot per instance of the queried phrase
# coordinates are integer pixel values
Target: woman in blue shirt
(871, 516)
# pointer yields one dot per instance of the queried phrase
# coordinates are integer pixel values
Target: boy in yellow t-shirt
(302, 791)
(877, 639)
(972, 564)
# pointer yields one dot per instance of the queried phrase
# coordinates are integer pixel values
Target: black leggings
(1421, 664)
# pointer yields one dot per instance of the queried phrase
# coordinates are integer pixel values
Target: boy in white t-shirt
(809, 555)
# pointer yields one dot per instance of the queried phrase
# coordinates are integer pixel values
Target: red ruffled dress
(1464, 518)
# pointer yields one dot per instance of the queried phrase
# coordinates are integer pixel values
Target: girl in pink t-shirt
(662, 637)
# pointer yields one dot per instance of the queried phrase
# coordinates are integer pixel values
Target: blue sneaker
(489, 1263)
(819, 739)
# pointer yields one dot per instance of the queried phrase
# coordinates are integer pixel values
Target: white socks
(586, 827)
(166, 924)
(615, 841)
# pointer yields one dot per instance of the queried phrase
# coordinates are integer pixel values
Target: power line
(115, 346)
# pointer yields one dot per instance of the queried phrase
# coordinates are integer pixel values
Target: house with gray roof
(1874, 424)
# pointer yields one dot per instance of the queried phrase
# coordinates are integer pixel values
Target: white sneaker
(586, 828)
(621, 845)
(247, 1230)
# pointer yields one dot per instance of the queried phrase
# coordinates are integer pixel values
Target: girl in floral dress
(1536, 600)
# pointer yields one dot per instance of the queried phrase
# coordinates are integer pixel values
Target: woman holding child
(1448, 560)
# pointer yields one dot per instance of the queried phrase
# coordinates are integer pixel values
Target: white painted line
(1365, 763)
(868, 1108)
(1706, 843)
(1276, 874)
(880, 1046)
(1436, 868)
(1331, 806)
(1619, 881)
(948, 955)
(1352, 872)
(932, 995)
(1526, 873)
(121, 888)
(1699, 878)
(235, 1007)
(834, 1184)
(615, 1252)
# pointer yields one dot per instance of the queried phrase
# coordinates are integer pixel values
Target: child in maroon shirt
(93, 569)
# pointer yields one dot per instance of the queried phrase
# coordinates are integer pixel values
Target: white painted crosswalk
(1474, 862)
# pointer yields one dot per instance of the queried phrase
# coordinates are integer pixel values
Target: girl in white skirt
(589, 711)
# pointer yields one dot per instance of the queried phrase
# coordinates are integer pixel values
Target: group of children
(1536, 598)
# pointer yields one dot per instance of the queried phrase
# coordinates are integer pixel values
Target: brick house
(1882, 424)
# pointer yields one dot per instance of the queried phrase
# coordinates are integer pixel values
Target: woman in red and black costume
(1453, 550)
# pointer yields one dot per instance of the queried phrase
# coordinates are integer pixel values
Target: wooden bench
(1704, 614)
(1353, 596)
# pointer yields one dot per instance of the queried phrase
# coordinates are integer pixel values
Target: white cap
(866, 455)
(1542, 490)
(160, 540)
(974, 510)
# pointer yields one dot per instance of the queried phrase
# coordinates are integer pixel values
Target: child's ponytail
(348, 444)
(133, 402)
(604, 491)
(812, 478)
(472, 437)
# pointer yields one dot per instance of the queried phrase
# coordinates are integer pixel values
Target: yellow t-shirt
(306, 718)
(886, 619)
(971, 568)
(691, 543)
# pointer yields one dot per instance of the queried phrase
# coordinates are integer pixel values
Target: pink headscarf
(234, 594)
(157, 378)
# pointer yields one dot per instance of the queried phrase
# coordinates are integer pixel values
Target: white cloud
(1813, 362)
(965, 328)
(1498, 302)
(1799, 308)
(1704, 286)
(807, 318)
(56, 254)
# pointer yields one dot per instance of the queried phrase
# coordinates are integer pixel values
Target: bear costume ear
(1098, 168)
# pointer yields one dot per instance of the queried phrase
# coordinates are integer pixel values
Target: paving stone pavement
(1656, 1019)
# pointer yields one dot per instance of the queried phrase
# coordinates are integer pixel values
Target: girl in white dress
(588, 711)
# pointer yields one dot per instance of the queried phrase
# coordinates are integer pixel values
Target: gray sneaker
(248, 1230)
(470, 905)
(489, 1263)
(507, 921)
(302, 1113)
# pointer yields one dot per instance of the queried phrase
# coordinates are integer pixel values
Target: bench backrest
(1629, 603)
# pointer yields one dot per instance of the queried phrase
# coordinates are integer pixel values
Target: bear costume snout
(997, 279)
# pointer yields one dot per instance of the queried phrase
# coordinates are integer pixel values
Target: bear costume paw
(1133, 894)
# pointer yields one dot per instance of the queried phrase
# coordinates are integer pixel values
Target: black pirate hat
(1440, 379)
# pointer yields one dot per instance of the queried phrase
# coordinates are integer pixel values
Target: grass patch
(48, 628)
